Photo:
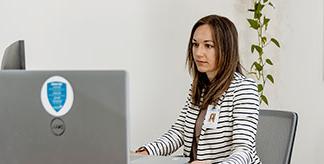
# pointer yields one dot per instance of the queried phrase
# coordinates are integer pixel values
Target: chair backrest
(14, 56)
(275, 136)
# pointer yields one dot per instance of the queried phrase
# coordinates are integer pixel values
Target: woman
(219, 121)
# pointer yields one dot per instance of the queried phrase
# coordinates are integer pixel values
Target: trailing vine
(260, 22)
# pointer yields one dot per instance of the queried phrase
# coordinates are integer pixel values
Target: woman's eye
(195, 44)
(209, 46)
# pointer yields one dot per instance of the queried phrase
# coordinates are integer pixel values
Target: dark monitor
(14, 56)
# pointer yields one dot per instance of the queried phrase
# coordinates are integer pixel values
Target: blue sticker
(56, 94)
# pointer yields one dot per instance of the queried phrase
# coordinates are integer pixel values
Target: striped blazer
(232, 141)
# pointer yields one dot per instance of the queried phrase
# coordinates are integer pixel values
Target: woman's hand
(200, 162)
(141, 151)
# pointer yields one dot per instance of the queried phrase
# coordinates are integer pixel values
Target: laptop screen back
(91, 129)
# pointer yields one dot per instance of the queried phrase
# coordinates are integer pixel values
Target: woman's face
(204, 51)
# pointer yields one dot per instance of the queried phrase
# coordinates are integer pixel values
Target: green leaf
(258, 67)
(251, 10)
(265, 1)
(271, 5)
(253, 46)
(264, 99)
(275, 41)
(258, 6)
(269, 61)
(257, 15)
(260, 87)
(266, 20)
(254, 24)
(252, 66)
(270, 78)
(264, 40)
(266, 27)
(259, 49)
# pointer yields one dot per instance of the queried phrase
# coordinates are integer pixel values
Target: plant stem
(260, 25)
(261, 62)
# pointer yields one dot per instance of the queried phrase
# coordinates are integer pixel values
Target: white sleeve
(171, 140)
(245, 115)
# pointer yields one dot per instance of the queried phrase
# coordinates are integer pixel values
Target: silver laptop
(63, 117)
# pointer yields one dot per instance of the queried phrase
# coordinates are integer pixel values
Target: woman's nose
(199, 51)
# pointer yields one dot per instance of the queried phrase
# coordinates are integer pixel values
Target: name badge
(212, 116)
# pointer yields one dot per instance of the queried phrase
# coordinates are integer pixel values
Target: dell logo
(57, 126)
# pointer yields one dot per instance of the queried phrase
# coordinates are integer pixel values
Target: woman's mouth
(201, 62)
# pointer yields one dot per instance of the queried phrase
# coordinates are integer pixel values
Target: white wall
(300, 84)
(149, 38)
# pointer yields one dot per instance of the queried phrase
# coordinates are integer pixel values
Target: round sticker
(57, 96)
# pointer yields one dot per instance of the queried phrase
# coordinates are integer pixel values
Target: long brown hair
(227, 60)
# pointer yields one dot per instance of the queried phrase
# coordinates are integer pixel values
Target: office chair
(14, 56)
(275, 136)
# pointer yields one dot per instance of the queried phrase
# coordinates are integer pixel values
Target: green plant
(260, 22)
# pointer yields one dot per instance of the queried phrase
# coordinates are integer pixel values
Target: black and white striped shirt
(232, 141)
